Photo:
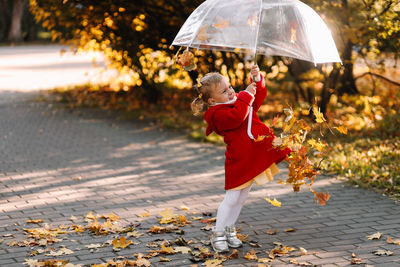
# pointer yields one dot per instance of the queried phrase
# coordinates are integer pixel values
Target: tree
(15, 33)
(133, 34)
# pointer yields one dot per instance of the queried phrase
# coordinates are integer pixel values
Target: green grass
(372, 163)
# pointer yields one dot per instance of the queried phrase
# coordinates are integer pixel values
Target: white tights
(230, 207)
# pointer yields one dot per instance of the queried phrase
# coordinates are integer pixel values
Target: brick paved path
(57, 162)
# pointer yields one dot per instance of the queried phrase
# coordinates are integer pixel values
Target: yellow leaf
(183, 207)
(251, 255)
(259, 138)
(377, 235)
(183, 250)
(317, 145)
(145, 214)
(290, 230)
(134, 234)
(274, 202)
(264, 260)
(319, 117)
(168, 250)
(213, 263)
(111, 217)
(120, 243)
(90, 216)
(35, 221)
(341, 129)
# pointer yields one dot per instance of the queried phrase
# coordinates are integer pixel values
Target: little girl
(250, 155)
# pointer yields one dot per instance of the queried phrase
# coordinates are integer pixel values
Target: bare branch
(379, 76)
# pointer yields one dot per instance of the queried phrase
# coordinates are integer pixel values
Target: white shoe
(219, 241)
(231, 237)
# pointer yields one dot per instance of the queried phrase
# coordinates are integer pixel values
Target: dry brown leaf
(208, 220)
(167, 250)
(35, 221)
(111, 217)
(383, 252)
(271, 232)
(389, 240)
(121, 243)
(183, 250)
(251, 255)
(377, 235)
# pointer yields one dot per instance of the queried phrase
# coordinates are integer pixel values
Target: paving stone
(59, 162)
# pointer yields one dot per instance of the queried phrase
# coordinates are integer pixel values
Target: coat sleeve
(261, 93)
(232, 117)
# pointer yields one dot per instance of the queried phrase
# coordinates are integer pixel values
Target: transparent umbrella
(287, 28)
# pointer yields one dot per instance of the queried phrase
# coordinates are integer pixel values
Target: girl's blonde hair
(203, 89)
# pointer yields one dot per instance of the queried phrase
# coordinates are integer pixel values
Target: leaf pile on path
(42, 241)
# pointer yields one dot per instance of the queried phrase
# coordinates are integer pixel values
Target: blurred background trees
(135, 36)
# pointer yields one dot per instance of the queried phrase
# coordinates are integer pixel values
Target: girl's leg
(239, 204)
(227, 209)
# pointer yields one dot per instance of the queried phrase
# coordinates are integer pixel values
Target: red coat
(244, 157)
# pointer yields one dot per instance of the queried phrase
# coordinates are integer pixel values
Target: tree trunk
(348, 83)
(4, 19)
(15, 34)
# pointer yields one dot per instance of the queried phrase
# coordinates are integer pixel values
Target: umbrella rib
(258, 30)
(198, 29)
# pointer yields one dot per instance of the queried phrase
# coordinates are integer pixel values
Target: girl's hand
(255, 71)
(251, 88)
(277, 141)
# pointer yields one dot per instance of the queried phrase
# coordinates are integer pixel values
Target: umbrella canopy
(287, 28)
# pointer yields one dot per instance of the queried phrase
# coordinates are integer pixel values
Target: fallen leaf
(274, 202)
(111, 217)
(264, 260)
(61, 251)
(383, 252)
(94, 246)
(213, 263)
(209, 220)
(241, 237)
(145, 214)
(35, 221)
(162, 259)
(208, 227)
(303, 251)
(251, 255)
(167, 250)
(356, 261)
(121, 243)
(377, 235)
(90, 216)
(271, 232)
(389, 240)
(73, 218)
(134, 234)
(290, 230)
(183, 250)
(183, 207)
